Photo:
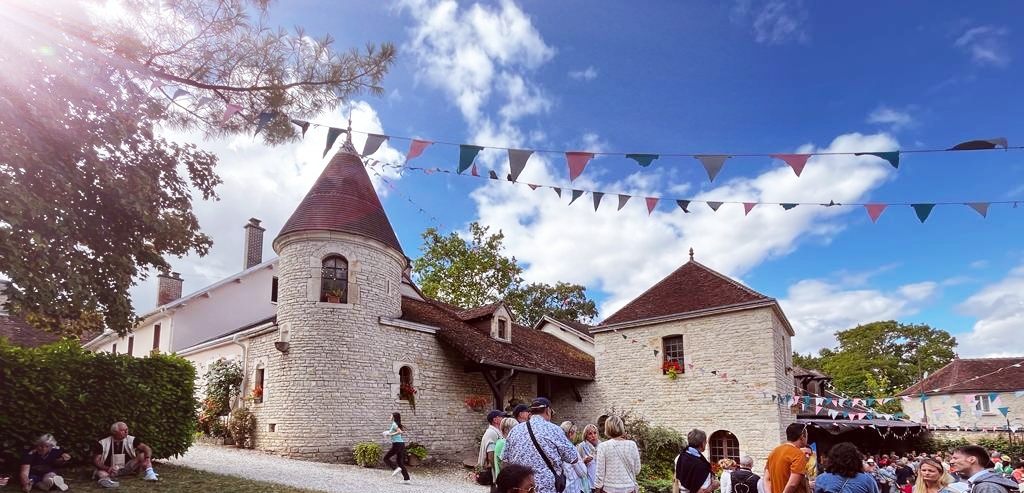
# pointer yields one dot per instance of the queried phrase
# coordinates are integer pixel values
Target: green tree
(475, 272)
(91, 196)
(809, 361)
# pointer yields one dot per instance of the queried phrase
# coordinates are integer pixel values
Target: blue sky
(688, 77)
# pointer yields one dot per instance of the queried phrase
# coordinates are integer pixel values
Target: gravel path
(261, 466)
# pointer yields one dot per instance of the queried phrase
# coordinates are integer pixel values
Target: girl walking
(397, 446)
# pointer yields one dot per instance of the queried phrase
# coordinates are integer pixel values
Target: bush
(367, 454)
(242, 427)
(76, 395)
(658, 446)
(1015, 451)
(223, 382)
(417, 449)
(654, 485)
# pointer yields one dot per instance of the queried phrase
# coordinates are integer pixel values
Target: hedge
(76, 395)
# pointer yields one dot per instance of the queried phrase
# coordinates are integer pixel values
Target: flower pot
(333, 299)
(412, 460)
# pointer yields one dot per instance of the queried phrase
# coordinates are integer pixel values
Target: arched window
(723, 445)
(406, 389)
(334, 279)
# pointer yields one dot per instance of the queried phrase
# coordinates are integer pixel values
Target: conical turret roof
(343, 200)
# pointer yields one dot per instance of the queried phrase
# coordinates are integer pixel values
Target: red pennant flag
(532, 186)
(229, 111)
(473, 171)
(875, 210)
(416, 148)
(577, 161)
(795, 161)
(652, 202)
(747, 206)
(622, 201)
(980, 207)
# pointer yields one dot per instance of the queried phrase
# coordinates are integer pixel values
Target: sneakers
(108, 483)
(59, 483)
(396, 471)
(150, 476)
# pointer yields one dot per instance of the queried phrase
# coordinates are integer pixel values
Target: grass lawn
(172, 480)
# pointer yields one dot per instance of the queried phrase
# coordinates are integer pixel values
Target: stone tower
(339, 272)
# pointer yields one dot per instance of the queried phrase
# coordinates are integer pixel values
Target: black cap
(494, 414)
(520, 408)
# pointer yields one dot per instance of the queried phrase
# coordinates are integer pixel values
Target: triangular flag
(597, 199)
(788, 206)
(892, 156)
(923, 210)
(532, 186)
(975, 145)
(1004, 410)
(577, 161)
(416, 147)
(817, 409)
(373, 142)
(832, 413)
(229, 111)
(747, 206)
(575, 195)
(203, 101)
(712, 164)
(622, 201)
(491, 174)
(332, 135)
(179, 93)
(304, 125)
(557, 190)
(473, 171)
(467, 153)
(992, 396)
(714, 205)
(683, 204)
(651, 203)
(795, 161)
(643, 159)
(1019, 393)
(655, 352)
(517, 161)
(980, 207)
(264, 119)
(875, 210)
(924, 397)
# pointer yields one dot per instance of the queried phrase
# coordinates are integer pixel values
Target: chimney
(253, 243)
(169, 289)
(4, 286)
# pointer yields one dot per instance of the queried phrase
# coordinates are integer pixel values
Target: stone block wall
(942, 414)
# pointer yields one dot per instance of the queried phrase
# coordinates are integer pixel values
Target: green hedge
(76, 395)
(999, 443)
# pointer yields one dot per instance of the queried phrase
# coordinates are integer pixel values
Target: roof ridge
(729, 279)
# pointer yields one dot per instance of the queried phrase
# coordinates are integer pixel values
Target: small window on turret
(334, 280)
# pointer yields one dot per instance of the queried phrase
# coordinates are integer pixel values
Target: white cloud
(889, 116)
(986, 44)
(818, 309)
(774, 21)
(999, 308)
(590, 73)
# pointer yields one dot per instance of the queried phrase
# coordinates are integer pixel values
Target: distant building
(967, 394)
(16, 331)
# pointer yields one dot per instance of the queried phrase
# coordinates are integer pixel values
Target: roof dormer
(494, 319)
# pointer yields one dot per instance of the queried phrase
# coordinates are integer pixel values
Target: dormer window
(501, 330)
(334, 279)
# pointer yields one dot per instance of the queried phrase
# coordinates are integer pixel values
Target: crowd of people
(527, 452)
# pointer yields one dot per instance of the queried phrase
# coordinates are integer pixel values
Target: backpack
(744, 481)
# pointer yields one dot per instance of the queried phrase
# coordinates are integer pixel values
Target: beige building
(970, 395)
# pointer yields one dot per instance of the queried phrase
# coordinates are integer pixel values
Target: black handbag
(559, 476)
(485, 477)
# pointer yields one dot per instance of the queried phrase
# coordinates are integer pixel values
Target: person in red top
(787, 464)
(1018, 472)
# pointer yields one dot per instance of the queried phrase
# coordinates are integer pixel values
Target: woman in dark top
(844, 472)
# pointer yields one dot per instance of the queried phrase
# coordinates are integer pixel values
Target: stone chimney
(253, 244)
(169, 289)
(4, 285)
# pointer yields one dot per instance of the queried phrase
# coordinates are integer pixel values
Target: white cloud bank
(896, 119)
(986, 44)
(999, 308)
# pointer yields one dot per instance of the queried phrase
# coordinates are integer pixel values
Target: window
(724, 444)
(156, 337)
(273, 290)
(672, 348)
(113, 349)
(334, 279)
(406, 389)
(131, 345)
(257, 388)
(982, 403)
(502, 329)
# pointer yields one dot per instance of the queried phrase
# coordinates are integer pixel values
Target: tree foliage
(475, 272)
(884, 358)
(91, 196)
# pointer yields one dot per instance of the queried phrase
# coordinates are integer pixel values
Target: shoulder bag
(559, 475)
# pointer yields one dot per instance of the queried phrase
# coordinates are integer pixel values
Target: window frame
(406, 375)
(131, 345)
(259, 380)
(982, 403)
(723, 444)
(335, 280)
(665, 350)
(156, 337)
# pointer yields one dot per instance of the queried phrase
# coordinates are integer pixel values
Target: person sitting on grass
(38, 464)
(121, 454)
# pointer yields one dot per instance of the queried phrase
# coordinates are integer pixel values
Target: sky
(700, 77)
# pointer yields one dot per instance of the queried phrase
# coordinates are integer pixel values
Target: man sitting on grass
(121, 454)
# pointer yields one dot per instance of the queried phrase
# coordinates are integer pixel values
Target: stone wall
(751, 346)
(942, 414)
(974, 436)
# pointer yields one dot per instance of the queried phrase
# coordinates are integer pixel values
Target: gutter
(532, 370)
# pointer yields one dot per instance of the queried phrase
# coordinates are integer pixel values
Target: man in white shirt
(485, 459)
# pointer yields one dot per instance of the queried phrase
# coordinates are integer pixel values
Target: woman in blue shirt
(397, 446)
(844, 472)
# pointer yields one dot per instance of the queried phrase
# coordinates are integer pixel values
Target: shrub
(658, 446)
(654, 485)
(223, 382)
(242, 427)
(76, 395)
(367, 454)
(417, 449)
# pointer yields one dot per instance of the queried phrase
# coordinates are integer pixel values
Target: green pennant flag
(467, 153)
(575, 195)
(892, 156)
(643, 159)
(923, 210)
(788, 206)
(557, 191)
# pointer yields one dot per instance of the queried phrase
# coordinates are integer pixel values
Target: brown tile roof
(973, 375)
(19, 333)
(579, 326)
(480, 311)
(692, 287)
(343, 200)
(530, 349)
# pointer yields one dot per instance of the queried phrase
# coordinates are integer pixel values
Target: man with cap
(521, 412)
(520, 449)
(485, 460)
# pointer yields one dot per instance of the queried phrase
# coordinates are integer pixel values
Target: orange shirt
(785, 459)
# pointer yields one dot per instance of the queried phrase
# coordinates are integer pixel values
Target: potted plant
(407, 392)
(477, 402)
(334, 295)
(671, 368)
(367, 454)
(257, 394)
(416, 453)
